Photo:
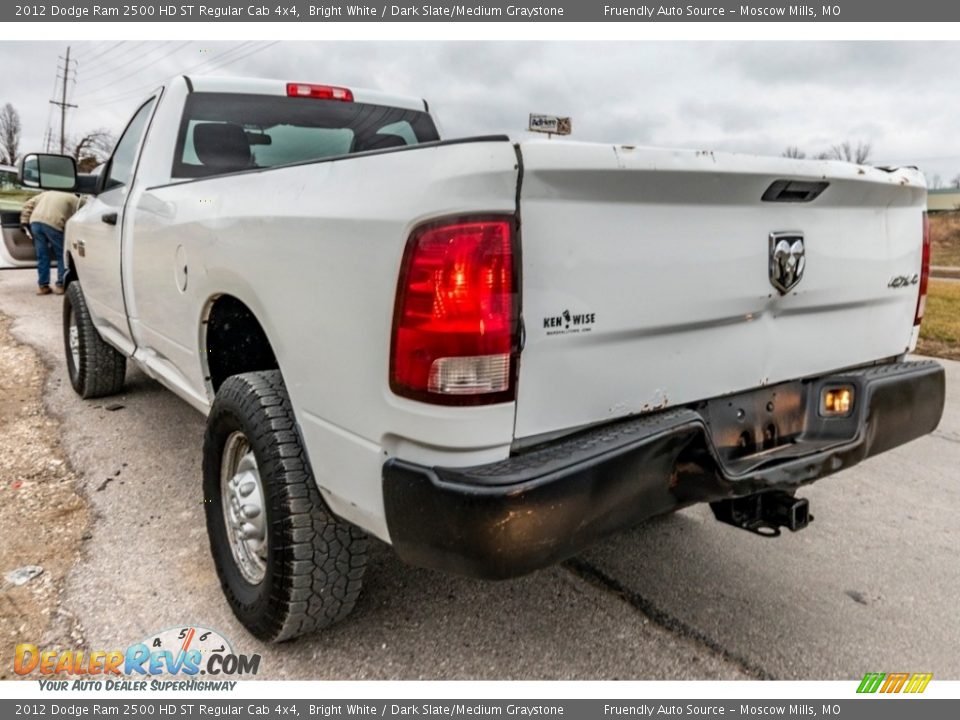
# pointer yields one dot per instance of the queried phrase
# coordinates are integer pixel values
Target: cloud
(744, 96)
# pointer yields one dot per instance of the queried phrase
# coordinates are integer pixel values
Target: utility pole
(63, 104)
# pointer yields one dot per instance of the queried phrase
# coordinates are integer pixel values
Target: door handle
(109, 218)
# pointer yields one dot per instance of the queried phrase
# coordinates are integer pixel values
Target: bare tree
(936, 183)
(9, 134)
(859, 153)
(955, 181)
(92, 149)
(863, 153)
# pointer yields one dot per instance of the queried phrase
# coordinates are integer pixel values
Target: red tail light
(320, 92)
(456, 316)
(924, 272)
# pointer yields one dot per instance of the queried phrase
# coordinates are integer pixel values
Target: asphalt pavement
(872, 585)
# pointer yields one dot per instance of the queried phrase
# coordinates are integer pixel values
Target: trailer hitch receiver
(764, 513)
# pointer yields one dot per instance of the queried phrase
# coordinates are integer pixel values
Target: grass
(940, 332)
(13, 199)
(945, 239)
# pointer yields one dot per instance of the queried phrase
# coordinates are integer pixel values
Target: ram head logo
(787, 260)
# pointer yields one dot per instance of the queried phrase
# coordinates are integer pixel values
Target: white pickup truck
(487, 353)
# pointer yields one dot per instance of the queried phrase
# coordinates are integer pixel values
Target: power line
(150, 85)
(124, 61)
(219, 64)
(138, 70)
(100, 54)
(135, 92)
(118, 62)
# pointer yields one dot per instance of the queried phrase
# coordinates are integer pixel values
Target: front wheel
(286, 564)
(96, 369)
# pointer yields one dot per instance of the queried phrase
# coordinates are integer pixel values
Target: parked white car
(486, 352)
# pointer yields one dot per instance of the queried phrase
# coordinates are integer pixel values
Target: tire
(96, 369)
(308, 573)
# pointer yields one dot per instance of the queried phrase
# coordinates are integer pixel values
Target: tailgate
(647, 276)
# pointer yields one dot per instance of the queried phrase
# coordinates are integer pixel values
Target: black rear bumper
(545, 504)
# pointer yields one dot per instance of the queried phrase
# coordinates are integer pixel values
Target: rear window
(227, 132)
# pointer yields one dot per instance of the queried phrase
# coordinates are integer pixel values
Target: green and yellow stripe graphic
(894, 682)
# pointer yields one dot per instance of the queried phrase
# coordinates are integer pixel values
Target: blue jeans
(44, 237)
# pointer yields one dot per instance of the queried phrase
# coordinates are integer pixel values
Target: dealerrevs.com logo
(169, 660)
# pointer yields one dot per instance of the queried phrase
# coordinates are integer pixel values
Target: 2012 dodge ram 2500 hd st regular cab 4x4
(487, 353)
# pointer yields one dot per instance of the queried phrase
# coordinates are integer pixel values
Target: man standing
(46, 215)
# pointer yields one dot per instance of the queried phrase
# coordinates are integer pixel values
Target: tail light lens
(456, 324)
(319, 92)
(924, 272)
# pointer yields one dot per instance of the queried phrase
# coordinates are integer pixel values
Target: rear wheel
(96, 369)
(286, 564)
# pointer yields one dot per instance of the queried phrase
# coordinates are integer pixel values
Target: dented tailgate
(650, 279)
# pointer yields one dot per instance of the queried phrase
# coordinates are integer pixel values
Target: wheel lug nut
(250, 511)
(247, 488)
(249, 532)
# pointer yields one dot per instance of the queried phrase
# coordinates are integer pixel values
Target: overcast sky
(902, 97)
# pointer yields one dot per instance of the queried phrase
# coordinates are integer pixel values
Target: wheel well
(71, 273)
(236, 342)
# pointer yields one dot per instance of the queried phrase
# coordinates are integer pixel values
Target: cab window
(124, 157)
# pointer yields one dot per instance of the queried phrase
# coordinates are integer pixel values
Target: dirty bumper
(547, 503)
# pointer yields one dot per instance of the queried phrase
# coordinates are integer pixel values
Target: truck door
(16, 249)
(95, 241)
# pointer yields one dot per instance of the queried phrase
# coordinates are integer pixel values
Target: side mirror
(48, 172)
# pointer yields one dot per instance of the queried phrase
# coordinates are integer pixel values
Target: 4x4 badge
(787, 260)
